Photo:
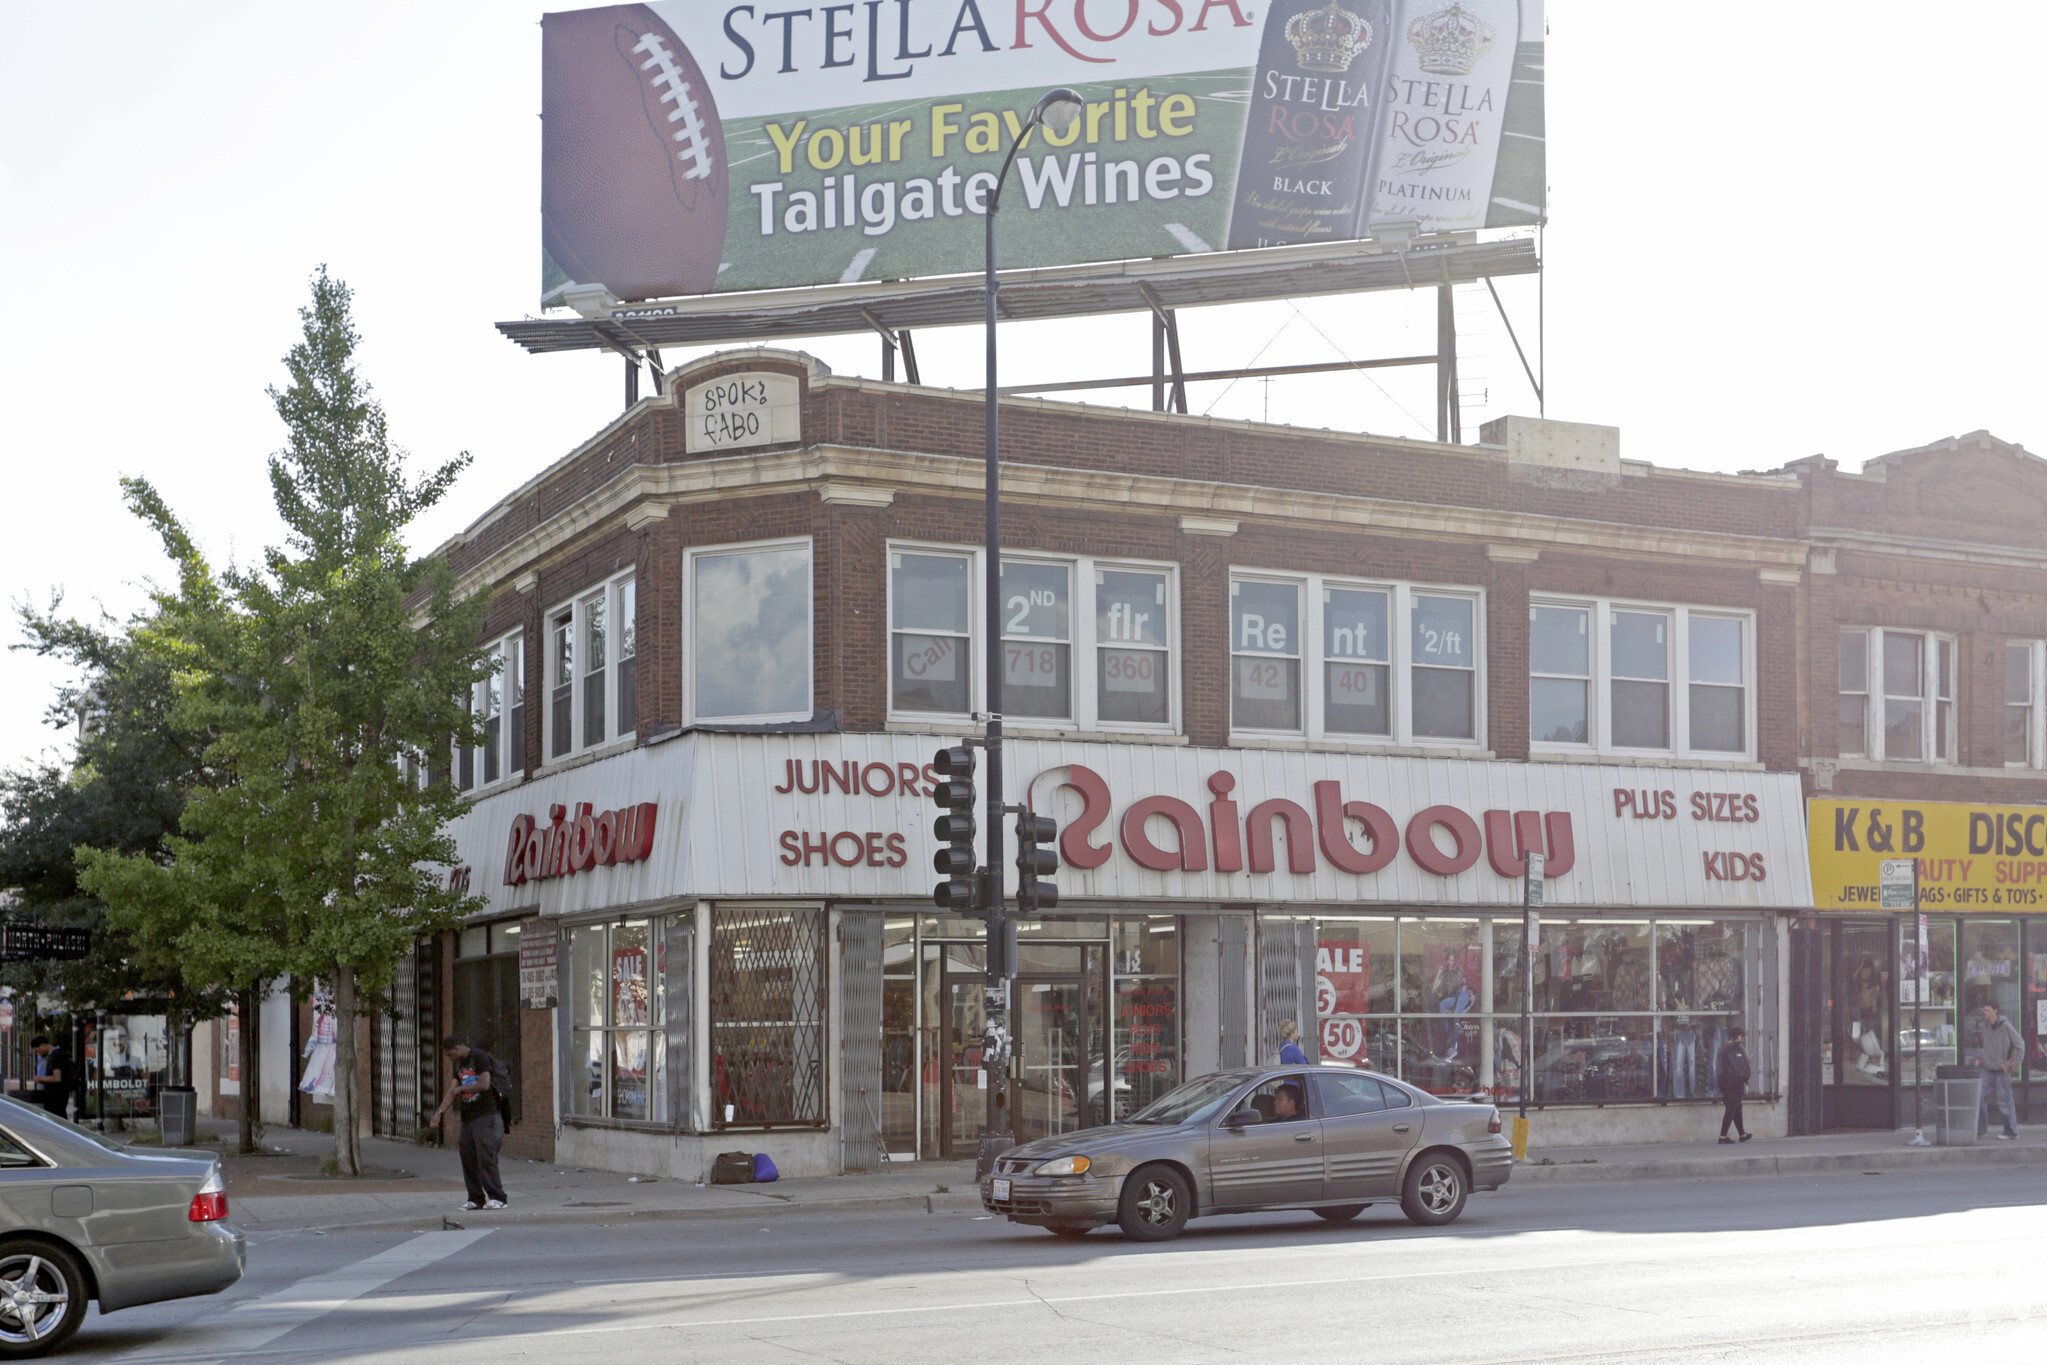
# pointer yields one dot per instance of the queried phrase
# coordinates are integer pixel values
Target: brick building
(1924, 617)
(1300, 701)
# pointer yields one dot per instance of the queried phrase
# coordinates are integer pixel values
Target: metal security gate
(767, 1013)
(860, 1141)
(1286, 975)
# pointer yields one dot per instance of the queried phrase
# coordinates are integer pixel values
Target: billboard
(1969, 856)
(692, 147)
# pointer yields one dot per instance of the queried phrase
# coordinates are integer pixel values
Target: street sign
(1898, 884)
(34, 943)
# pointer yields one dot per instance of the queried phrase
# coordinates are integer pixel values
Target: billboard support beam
(1203, 376)
(1449, 421)
(632, 380)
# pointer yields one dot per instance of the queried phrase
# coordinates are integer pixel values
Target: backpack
(501, 1086)
(732, 1168)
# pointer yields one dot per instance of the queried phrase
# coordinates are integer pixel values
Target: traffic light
(954, 829)
(1036, 856)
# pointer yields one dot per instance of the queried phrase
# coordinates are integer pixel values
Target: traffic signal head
(954, 830)
(1037, 856)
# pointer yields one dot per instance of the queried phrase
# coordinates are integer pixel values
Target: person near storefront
(483, 1121)
(1999, 1057)
(53, 1075)
(1290, 1052)
(1731, 1072)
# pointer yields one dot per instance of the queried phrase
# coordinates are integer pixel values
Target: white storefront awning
(849, 816)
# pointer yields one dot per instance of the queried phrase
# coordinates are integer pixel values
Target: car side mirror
(1243, 1118)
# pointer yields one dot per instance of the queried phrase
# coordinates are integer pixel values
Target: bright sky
(1773, 232)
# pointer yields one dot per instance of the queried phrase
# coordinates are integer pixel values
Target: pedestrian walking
(480, 1088)
(1731, 1073)
(1290, 1053)
(1999, 1057)
(53, 1075)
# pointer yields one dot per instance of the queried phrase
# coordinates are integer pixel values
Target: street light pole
(1056, 109)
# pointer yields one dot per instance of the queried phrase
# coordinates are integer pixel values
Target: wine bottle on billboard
(1302, 176)
(1438, 127)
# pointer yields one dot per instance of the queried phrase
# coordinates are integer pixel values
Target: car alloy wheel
(42, 1298)
(1435, 1190)
(1155, 1204)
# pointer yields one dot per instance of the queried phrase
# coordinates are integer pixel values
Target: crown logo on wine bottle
(1450, 41)
(1328, 39)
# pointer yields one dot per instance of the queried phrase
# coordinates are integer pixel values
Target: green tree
(134, 768)
(317, 674)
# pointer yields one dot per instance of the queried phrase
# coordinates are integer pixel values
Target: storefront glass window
(1866, 965)
(1625, 1009)
(1147, 1013)
(621, 979)
(1131, 650)
(767, 1015)
(1990, 976)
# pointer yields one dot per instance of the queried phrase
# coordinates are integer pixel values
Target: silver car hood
(1092, 1141)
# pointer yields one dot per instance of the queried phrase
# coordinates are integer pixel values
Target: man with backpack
(483, 1086)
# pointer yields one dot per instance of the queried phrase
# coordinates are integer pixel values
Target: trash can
(177, 1108)
(1958, 1093)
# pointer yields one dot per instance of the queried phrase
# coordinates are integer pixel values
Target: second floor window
(750, 633)
(592, 644)
(499, 701)
(2025, 702)
(1086, 644)
(1629, 678)
(1329, 658)
(1897, 696)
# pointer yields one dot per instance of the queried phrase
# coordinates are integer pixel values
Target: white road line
(256, 1323)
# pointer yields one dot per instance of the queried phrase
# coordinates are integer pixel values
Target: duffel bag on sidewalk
(732, 1168)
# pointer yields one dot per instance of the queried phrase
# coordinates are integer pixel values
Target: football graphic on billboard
(634, 177)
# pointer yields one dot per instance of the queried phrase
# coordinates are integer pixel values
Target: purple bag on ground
(764, 1169)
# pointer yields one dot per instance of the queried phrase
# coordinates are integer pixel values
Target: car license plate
(998, 1189)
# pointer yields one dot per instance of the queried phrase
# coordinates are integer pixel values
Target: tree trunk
(249, 1005)
(347, 1139)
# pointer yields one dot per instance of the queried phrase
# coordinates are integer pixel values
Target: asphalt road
(1918, 1267)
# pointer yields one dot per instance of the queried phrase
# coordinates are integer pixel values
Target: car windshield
(1190, 1103)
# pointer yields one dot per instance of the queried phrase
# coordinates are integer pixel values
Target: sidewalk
(283, 1191)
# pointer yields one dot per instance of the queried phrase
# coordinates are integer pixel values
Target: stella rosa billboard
(694, 147)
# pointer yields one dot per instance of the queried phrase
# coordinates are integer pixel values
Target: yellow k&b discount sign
(1969, 857)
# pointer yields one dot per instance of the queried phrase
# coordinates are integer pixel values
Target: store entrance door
(1858, 1055)
(1058, 1021)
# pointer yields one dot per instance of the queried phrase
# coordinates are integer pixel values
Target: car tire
(1435, 1190)
(1342, 1213)
(39, 1268)
(1069, 1229)
(1155, 1204)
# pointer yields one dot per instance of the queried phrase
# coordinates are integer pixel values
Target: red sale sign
(1342, 977)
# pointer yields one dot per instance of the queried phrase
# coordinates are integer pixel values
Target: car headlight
(1066, 1165)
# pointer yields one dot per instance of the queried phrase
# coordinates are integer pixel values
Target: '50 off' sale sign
(1342, 989)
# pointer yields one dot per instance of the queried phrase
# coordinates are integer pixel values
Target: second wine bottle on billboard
(1441, 116)
(1304, 175)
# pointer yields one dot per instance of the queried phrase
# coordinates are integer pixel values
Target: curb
(951, 1202)
(1760, 1165)
(1813, 1163)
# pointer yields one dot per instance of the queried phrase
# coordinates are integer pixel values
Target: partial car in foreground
(83, 1219)
(1331, 1140)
